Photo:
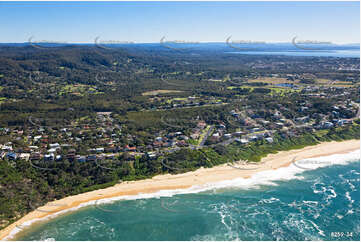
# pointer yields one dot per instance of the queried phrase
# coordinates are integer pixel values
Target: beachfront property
(52, 145)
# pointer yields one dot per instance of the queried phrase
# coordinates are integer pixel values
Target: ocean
(314, 199)
(315, 53)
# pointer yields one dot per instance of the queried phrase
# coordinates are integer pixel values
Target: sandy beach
(199, 177)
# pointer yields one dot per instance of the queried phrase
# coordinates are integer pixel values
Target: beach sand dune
(181, 181)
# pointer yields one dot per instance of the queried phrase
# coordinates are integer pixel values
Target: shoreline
(200, 177)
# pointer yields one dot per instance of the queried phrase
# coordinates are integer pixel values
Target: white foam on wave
(336, 159)
(255, 181)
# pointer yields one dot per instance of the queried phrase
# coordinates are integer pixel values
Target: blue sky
(338, 22)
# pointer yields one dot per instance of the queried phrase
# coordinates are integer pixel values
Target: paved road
(358, 111)
(224, 143)
(174, 108)
(210, 130)
(172, 150)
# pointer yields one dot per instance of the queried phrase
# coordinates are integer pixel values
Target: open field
(318, 81)
(269, 80)
(156, 92)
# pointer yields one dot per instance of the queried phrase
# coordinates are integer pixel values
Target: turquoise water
(317, 204)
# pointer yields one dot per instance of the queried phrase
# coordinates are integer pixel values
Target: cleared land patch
(156, 92)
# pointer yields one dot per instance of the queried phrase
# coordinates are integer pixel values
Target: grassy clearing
(2, 99)
(270, 80)
(156, 92)
(78, 89)
(319, 81)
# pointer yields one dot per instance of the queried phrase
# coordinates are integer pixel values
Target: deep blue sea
(314, 200)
